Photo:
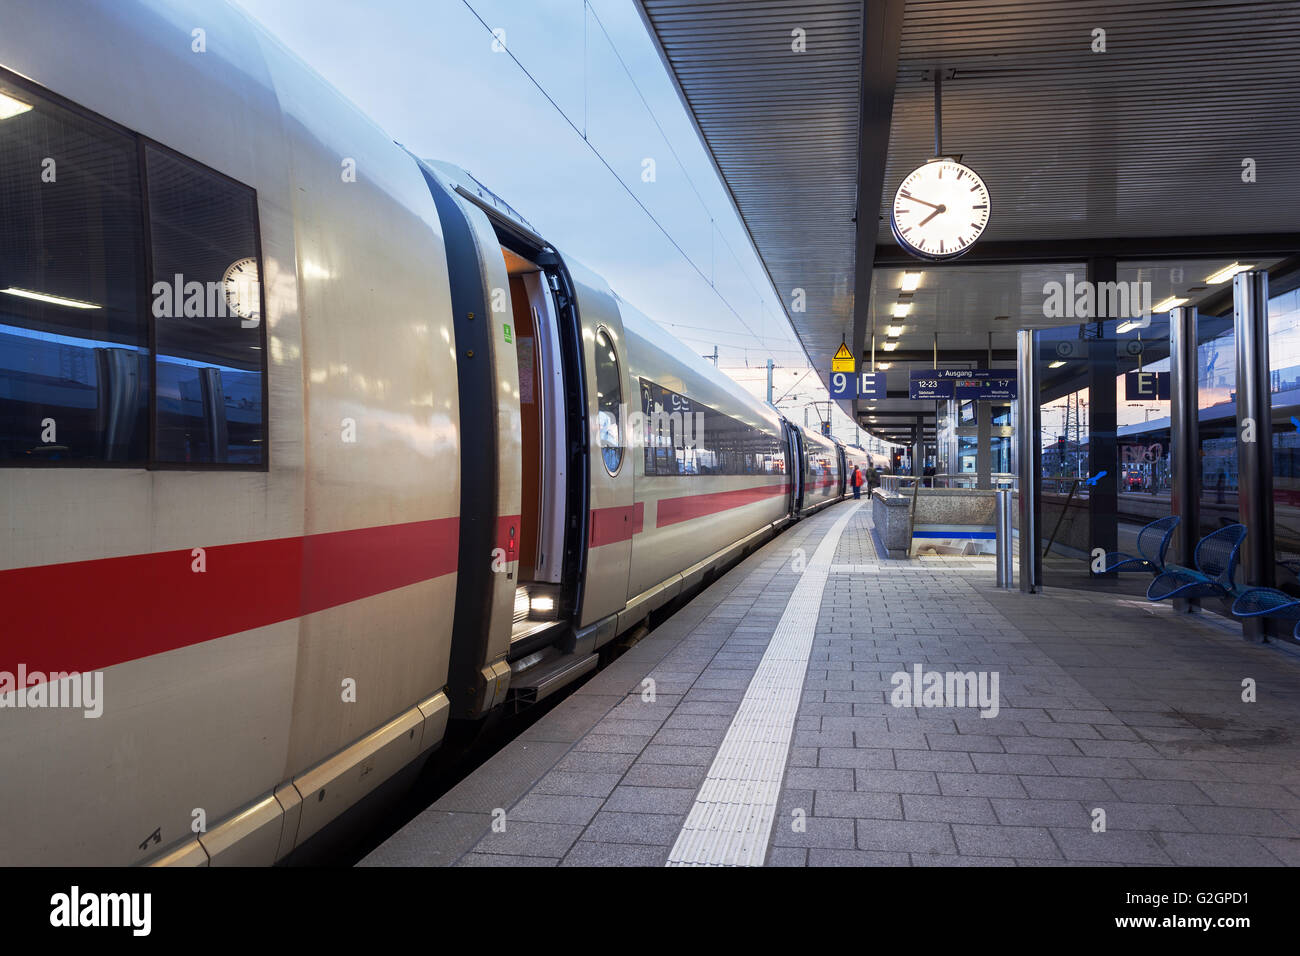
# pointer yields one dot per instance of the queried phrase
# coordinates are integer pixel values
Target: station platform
(1120, 736)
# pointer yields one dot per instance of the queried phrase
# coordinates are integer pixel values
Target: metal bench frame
(1213, 575)
(1152, 552)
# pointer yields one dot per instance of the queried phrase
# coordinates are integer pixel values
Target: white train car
(307, 446)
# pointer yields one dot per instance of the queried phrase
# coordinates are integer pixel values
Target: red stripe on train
(86, 615)
(674, 510)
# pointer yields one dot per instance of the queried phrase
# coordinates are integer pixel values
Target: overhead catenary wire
(604, 162)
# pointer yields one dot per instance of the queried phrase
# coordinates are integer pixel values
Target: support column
(918, 446)
(1103, 428)
(1184, 441)
(1029, 460)
(1254, 420)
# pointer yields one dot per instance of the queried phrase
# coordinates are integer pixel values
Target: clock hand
(938, 209)
(921, 201)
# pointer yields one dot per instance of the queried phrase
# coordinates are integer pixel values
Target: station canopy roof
(1133, 152)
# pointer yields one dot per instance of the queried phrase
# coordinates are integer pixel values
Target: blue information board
(963, 383)
(927, 385)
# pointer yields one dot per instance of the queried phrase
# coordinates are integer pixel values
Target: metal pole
(1006, 569)
(938, 111)
(1028, 459)
(1184, 439)
(769, 381)
(1254, 435)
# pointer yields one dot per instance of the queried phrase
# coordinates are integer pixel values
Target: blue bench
(1216, 562)
(1268, 602)
(1153, 544)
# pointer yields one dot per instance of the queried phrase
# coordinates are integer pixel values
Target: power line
(614, 173)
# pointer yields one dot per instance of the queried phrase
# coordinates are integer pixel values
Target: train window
(686, 437)
(207, 308)
(74, 334)
(609, 396)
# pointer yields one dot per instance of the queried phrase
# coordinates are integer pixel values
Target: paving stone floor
(1106, 703)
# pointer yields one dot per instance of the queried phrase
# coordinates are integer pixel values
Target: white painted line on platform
(731, 821)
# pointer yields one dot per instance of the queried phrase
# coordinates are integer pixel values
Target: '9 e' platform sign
(869, 385)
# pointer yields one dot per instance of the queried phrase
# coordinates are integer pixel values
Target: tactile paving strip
(731, 820)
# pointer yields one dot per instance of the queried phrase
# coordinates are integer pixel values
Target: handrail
(1074, 486)
(999, 480)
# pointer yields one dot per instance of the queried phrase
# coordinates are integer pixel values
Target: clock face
(940, 209)
(243, 292)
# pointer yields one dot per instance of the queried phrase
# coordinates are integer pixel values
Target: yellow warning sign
(843, 360)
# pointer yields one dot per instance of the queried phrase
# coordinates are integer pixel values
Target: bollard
(1006, 572)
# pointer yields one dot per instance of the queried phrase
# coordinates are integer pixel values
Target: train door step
(544, 673)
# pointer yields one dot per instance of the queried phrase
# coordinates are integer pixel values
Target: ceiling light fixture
(1226, 273)
(1127, 326)
(1173, 302)
(893, 331)
(901, 309)
(912, 281)
(51, 299)
(12, 107)
(1057, 364)
(890, 346)
(883, 366)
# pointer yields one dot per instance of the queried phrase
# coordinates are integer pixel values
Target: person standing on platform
(857, 482)
(873, 477)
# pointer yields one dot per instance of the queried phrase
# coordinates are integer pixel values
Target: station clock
(940, 209)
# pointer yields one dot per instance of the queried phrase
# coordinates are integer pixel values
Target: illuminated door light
(52, 299)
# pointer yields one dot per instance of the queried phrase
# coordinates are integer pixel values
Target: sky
(563, 120)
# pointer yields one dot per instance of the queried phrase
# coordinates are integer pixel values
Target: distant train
(307, 446)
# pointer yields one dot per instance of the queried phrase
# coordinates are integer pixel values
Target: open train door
(794, 457)
(523, 445)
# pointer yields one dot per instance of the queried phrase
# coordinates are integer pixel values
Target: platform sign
(843, 360)
(1146, 386)
(842, 385)
(979, 384)
(871, 385)
(927, 385)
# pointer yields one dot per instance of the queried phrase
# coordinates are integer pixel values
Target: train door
(612, 516)
(545, 467)
(797, 469)
(522, 443)
(844, 471)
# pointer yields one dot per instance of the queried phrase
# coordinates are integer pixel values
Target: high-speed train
(307, 447)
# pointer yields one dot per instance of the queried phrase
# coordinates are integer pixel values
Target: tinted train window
(686, 437)
(74, 333)
(609, 396)
(207, 315)
(81, 292)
